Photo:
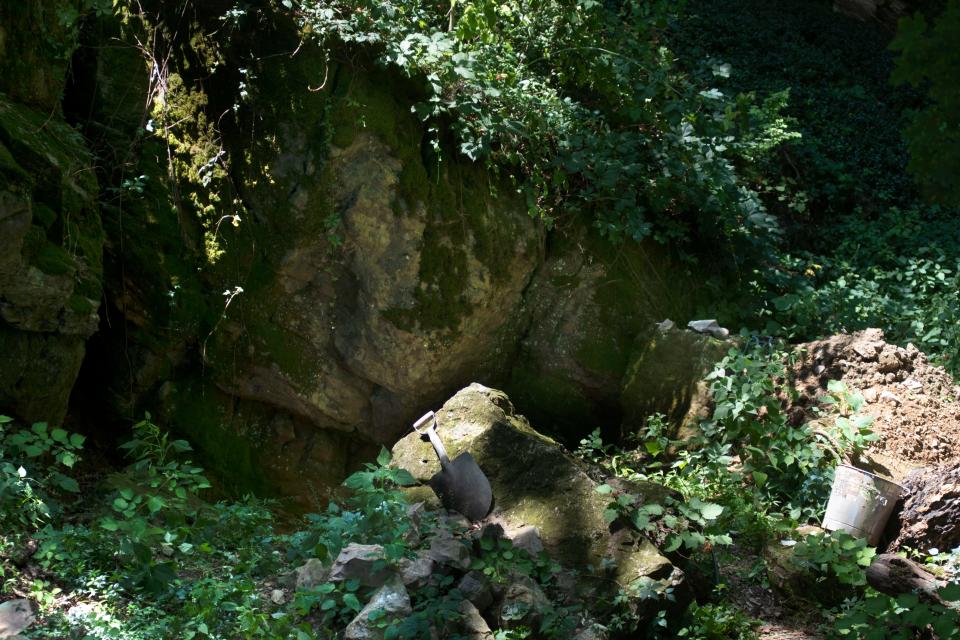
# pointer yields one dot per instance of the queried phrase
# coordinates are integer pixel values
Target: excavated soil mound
(914, 403)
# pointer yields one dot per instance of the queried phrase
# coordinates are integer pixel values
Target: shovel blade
(463, 487)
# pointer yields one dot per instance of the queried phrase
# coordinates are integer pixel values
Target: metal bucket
(860, 503)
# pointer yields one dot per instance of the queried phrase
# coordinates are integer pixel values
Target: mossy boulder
(536, 482)
(51, 269)
(666, 375)
(375, 280)
(36, 41)
(591, 304)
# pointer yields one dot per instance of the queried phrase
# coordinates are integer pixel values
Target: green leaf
(653, 509)
(711, 511)
(384, 458)
(155, 503)
(76, 440)
(33, 451)
(352, 602)
(68, 484)
(609, 515)
(404, 478)
(59, 435)
(673, 543)
(759, 478)
(951, 592)
(604, 489)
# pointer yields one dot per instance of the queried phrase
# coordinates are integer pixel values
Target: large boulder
(417, 280)
(594, 308)
(536, 483)
(666, 375)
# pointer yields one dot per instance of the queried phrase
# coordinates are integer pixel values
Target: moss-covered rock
(370, 285)
(50, 260)
(36, 41)
(255, 448)
(665, 375)
(535, 482)
(591, 304)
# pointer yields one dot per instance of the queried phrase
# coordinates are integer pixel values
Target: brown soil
(914, 403)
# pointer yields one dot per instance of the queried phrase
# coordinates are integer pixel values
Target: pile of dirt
(914, 403)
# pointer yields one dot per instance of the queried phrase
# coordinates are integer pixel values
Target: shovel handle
(431, 432)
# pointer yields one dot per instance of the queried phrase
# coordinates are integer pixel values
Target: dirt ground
(914, 404)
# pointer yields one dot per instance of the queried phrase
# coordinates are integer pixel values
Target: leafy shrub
(750, 390)
(30, 472)
(718, 622)
(881, 617)
(690, 522)
(580, 104)
(376, 513)
(837, 555)
(155, 504)
(913, 300)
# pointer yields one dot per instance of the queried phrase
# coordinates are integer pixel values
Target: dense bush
(928, 58)
(580, 104)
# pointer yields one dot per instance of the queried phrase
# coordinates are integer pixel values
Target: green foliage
(837, 72)
(912, 297)
(336, 603)
(376, 513)
(499, 559)
(30, 472)
(690, 523)
(835, 555)
(631, 602)
(881, 617)
(581, 104)
(777, 458)
(227, 606)
(928, 59)
(891, 261)
(155, 504)
(592, 449)
(718, 622)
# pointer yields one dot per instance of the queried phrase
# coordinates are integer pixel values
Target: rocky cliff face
(50, 232)
(291, 276)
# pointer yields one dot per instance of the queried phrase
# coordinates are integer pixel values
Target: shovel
(460, 483)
